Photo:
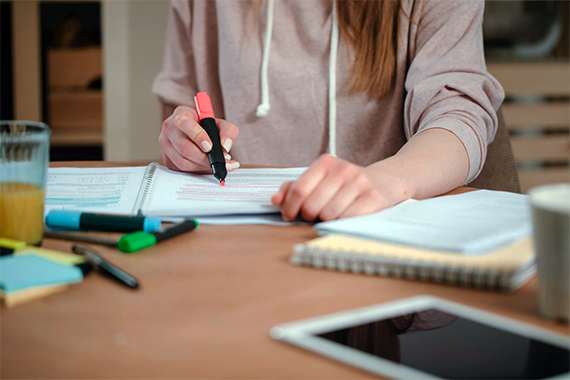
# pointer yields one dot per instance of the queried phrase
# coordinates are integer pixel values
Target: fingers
(279, 197)
(187, 149)
(186, 120)
(232, 165)
(228, 133)
(331, 188)
(303, 187)
(184, 143)
(321, 196)
(368, 202)
(346, 195)
(174, 160)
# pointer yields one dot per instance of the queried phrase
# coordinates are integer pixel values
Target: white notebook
(472, 223)
(505, 269)
(157, 191)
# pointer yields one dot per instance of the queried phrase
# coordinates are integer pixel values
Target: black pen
(84, 238)
(208, 122)
(105, 268)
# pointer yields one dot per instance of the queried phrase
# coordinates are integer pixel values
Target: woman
(396, 91)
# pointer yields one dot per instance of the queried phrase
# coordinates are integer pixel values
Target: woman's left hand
(332, 188)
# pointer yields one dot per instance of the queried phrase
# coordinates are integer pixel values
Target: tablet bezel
(303, 333)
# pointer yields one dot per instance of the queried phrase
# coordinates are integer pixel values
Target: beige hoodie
(441, 79)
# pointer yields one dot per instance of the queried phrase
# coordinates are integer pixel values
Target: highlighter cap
(204, 106)
(63, 220)
(136, 241)
(151, 224)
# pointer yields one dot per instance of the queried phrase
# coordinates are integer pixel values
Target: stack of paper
(479, 239)
(473, 223)
(28, 276)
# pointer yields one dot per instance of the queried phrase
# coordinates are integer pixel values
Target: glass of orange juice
(24, 157)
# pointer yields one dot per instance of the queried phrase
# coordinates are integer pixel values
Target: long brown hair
(370, 29)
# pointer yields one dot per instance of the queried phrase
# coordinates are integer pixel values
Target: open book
(161, 192)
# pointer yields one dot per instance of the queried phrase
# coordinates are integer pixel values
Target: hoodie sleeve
(176, 82)
(447, 82)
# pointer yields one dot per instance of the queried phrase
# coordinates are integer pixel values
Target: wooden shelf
(539, 92)
(73, 67)
(76, 137)
(534, 177)
(76, 109)
(550, 148)
(553, 115)
(546, 78)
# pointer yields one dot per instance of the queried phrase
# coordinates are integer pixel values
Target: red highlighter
(208, 122)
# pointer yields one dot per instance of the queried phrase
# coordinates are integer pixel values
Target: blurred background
(86, 69)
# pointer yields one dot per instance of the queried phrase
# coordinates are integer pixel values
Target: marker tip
(222, 183)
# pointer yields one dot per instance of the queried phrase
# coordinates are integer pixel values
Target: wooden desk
(204, 310)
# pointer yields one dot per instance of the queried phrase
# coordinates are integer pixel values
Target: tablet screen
(453, 347)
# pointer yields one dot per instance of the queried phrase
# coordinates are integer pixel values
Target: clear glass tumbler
(24, 158)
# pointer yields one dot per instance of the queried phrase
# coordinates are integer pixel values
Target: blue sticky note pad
(20, 272)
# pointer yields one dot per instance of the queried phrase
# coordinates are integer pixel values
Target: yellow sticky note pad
(58, 256)
(11, 299)
(12, 244)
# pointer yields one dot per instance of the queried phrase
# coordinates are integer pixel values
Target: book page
(108, 190)
(247, 191)
(473, 223)
(250, 219)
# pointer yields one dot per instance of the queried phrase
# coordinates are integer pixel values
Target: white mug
(551, 224)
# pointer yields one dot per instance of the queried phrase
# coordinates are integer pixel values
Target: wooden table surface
(206, 304)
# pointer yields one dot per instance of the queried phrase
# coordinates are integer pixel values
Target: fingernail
(206, 146)
(227, 144)
(232, 165)
(227, 156)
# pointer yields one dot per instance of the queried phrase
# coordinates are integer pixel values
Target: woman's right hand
(184, 143)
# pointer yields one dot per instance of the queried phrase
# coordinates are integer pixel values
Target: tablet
(431, 338)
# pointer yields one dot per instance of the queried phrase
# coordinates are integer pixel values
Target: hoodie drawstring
(332, 82)
(263, 108)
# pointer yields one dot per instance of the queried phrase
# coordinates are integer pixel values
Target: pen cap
(136, 241)
(63, 220)
(176, 229)
(204, 106)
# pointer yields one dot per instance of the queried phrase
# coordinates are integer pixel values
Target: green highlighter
(137, 241)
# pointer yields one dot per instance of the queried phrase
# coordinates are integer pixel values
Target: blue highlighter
(82, 221)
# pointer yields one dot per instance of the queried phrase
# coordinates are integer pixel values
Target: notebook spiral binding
(351, 261)
(146, 189)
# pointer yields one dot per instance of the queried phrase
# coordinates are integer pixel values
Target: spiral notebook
(506, 269)
(158, 191)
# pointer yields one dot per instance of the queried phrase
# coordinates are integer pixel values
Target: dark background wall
(6, 84)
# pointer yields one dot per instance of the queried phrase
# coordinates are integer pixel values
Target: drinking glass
(551, 223)
(24, 157)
